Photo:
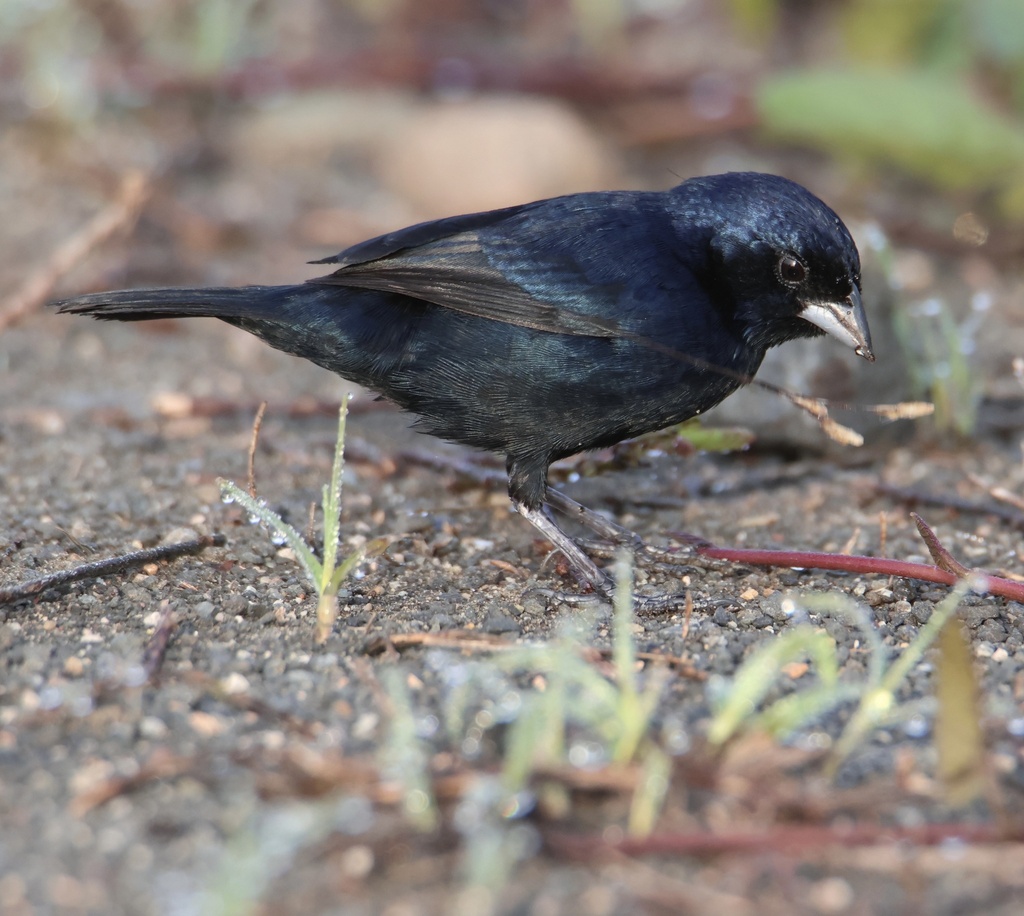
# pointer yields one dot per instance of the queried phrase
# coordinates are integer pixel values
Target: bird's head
(781, 260)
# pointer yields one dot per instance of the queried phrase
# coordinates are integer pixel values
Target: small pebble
(234, 684)
(206, 724)
(152, 727)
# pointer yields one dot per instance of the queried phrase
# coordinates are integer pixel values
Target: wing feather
(455, 273)
(531, 265)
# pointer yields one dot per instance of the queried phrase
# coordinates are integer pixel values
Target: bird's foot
(572, 599)
(581, 563)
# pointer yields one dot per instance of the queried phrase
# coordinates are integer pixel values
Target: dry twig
(470, 642)
(156, 648)
(257, 425)
(912, 497)
(120, 214)
(120, 564)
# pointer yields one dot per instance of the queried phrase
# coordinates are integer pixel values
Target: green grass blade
(876, 705)
(836, 605)
(760, 671)
(406, 757)
(332, 498)
(650, 793)
(270, 519)
(927, 635)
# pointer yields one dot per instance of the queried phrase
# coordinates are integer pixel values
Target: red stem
(858, 564)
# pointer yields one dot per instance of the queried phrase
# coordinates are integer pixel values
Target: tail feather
(145, 304)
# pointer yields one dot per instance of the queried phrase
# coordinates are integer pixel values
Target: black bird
(567, 324)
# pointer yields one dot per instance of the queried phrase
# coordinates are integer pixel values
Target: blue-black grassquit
(542, 330)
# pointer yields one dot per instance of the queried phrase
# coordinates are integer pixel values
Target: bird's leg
(609, 530)
(596, 522)
(582, 565)
(585, 567)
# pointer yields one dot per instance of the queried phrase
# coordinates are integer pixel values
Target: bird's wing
(421, 234)
(539, 266)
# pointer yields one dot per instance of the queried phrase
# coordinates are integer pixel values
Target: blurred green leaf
(887, 32)
(927, 124)
(759, 673)
(756, 17)
(939, 359)
(713, 439)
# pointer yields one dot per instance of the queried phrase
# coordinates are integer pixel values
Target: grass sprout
(325, 575)
(405, 756)
(739, 707)
(941, 359)
(619, 714)
(571, 716)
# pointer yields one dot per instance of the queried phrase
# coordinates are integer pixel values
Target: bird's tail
(144, 304)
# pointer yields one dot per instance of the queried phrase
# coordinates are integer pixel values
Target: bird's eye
(791, 270)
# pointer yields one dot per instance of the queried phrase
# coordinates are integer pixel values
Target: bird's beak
(845, 321)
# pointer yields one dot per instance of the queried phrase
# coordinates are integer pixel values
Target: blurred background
(268, 134)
